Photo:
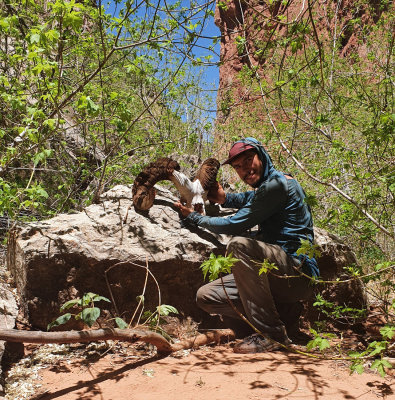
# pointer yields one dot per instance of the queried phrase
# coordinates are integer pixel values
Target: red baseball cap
(236, 150)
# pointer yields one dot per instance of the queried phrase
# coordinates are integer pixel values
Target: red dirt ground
(210, 373)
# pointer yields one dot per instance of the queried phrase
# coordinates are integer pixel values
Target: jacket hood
(268, 168)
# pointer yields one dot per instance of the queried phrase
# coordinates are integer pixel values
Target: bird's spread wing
(184, 185)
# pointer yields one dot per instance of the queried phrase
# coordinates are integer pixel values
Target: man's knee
(237, 245)
(203, 298)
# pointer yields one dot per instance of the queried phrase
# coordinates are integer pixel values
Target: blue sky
(210, 73)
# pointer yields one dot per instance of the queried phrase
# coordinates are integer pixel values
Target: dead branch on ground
(127, 335)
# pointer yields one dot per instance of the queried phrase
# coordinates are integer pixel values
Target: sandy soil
(209, 373)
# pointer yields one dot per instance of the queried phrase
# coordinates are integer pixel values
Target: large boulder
(345, 295)
(8, 314)
(106, 249)
(111, 250)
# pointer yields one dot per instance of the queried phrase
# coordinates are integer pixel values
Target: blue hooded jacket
(277, 206)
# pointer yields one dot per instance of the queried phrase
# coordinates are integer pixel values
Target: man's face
(249, 167)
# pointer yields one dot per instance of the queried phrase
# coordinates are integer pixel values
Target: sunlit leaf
(59, 321)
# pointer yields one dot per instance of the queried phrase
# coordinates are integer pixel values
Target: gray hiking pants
(270, 301)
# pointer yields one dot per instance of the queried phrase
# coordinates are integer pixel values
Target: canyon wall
(266, 44)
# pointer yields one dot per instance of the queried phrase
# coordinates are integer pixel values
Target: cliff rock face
(258, 34)
(106, 248)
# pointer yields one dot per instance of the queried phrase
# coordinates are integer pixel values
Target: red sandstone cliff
(260, 34)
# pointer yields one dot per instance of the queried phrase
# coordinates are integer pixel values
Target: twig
(141, 297)
(148, 272)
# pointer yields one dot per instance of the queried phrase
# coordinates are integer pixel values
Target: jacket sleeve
(237, 200)
(269, 198)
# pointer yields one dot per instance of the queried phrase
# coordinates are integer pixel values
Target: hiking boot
(256, 343)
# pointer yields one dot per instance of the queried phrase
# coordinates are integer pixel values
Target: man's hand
(184, 210)
(216, 194)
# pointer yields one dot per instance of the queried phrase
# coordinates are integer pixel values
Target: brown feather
(207, 173)
(143, 191)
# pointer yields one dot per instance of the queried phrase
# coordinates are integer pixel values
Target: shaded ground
(214, 373)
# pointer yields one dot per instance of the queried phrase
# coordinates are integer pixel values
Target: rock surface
(55, 260)
(335, 256)
(8, 314)
(105, 249)
(259, 24)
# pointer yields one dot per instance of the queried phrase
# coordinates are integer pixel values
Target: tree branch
(126, 335)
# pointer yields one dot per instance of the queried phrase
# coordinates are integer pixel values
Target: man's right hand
(216, 194)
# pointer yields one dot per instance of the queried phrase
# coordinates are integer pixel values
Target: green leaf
(74, 20)
(41, 156)
(377, 348)
(240, 45)
(87, 104)
(357, 367)
(165, 309)
(52, 35)
(50, 123)
(354, 354)
(92, 107)
(222, 5)
(190, 37)
(87, 298)
(121, 324)
(215, 266)
(35, 38)
(4, 24)
(319, 342)
(90, 315)
(70, 303)
(266, 266)
(308, 248)
(388, 331)
(59, 321)
(380, 365)
(324, 345)
(147, 314)
(386, 363)
(312, 344)
(41, 192)
(100, 298)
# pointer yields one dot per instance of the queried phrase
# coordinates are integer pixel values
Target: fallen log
(127, 335)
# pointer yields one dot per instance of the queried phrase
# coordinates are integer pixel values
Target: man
(271, 301)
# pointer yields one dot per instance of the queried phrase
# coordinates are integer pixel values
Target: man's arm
(230, 200)
(217, 195)
(268, 199)
(238, 200)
